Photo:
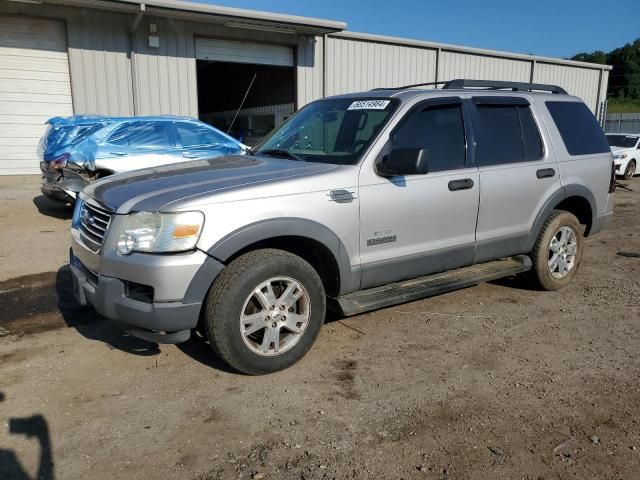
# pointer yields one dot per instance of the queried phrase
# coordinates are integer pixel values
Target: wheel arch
(313, 242)
(576, 199)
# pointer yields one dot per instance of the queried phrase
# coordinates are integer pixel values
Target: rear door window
(579, 129)
(437, 129)
(153, 135)
(509, 133)
(194, 135)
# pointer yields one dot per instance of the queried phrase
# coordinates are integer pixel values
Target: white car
(626, 152)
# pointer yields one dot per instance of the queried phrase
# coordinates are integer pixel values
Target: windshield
(624, 141)
(334, 131)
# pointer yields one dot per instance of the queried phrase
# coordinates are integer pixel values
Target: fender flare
(232, 243)
(567, 191)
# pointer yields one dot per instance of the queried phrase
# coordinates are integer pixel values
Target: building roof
(233, 17)
(459, 48)
(283, 23)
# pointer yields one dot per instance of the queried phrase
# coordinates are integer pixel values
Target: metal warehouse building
(137, 57)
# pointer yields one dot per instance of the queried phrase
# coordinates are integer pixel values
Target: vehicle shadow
(92, 325)
(524, 281)
(59, 210)
(199, 349)
(34, 427)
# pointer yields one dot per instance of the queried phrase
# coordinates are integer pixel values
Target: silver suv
(339, 208)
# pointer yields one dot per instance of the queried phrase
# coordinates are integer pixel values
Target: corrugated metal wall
(99, 62)
(113, 72)
(98, 47)
(582, 82)
(464, 65)
(309, 69)
(354, 65)
(360, 62)
(165, 77)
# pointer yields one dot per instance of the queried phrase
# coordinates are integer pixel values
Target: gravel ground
(498, 381)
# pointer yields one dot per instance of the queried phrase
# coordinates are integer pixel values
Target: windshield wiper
(277, 152)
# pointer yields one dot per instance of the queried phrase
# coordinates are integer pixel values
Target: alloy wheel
(563, 250)
(275, 316)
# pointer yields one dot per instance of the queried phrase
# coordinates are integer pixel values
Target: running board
(428, 286)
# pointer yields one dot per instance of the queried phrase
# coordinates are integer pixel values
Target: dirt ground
(498, 381)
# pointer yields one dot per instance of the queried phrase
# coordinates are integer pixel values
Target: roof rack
(498, 85)
(459, 84)
(404, 87)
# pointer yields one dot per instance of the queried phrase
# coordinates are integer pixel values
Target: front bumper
(157, 321)
(61, 185)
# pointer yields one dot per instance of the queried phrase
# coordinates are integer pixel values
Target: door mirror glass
(404, 161)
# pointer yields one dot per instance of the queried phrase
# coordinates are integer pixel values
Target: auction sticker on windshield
(369, 105)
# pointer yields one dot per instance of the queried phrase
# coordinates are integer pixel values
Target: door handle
(189, 155)
(464, 184)
(119, 154)
(546, 173)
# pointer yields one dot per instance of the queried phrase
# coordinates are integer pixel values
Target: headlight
(620, 156)
(160, 232)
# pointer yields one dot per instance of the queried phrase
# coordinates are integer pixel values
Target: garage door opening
(269, 102)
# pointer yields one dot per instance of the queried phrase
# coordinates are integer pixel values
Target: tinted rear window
(580, 131)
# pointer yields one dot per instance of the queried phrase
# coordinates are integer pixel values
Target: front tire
(630, 171)
(263, 313)
(558, 251)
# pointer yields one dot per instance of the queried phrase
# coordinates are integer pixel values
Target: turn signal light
(185, 231)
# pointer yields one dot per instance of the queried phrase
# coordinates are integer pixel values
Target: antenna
(246, 94)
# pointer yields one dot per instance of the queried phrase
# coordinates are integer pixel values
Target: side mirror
(404, 161)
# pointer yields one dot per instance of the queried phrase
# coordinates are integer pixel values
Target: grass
(626, 107)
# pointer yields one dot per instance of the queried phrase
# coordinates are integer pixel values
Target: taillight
(60, 162)
(612, 181)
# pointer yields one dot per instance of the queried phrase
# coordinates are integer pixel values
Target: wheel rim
(631, 170)
(563, 250)
(275, 316)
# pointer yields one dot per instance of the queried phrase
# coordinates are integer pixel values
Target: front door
(419, 224)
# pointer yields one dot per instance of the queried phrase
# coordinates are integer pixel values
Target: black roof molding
(461, 84)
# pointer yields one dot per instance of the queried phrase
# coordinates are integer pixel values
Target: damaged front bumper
(62, 185)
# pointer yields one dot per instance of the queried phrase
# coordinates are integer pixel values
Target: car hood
(620, 149)
(151, 189)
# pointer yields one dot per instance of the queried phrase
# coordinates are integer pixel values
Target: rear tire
(246, 311)
(630, 171)
(558, 251)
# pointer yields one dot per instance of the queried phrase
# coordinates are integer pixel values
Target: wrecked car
(76, 150)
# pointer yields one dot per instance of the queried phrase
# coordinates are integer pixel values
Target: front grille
(93, 225)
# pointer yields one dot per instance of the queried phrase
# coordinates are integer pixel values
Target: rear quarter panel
(592, 172)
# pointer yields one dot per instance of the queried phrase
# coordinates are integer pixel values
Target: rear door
(518, 173)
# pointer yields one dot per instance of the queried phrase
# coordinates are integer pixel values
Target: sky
(557, 28)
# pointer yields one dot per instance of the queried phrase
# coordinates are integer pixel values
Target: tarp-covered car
(79, 149)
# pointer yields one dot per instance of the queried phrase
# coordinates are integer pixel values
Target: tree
(624, 79)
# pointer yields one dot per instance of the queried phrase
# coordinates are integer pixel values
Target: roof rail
(427, 84)
(499, 85)
(460, 84)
